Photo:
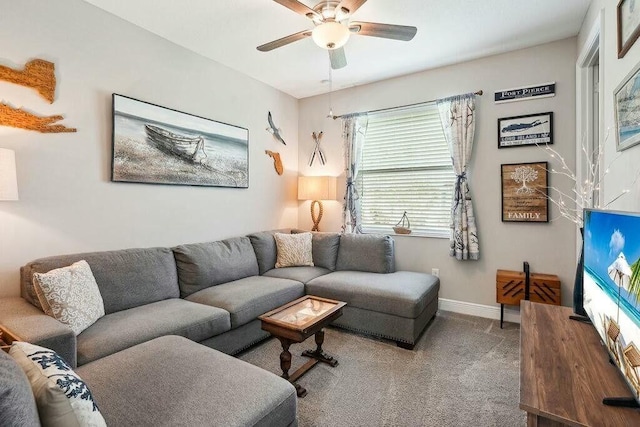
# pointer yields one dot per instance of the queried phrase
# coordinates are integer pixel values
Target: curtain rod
(479, 93)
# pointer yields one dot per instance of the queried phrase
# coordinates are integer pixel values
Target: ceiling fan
(332, 28)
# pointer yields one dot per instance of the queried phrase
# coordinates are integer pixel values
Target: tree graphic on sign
(524, 174)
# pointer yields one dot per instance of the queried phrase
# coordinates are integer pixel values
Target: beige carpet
(463, 372)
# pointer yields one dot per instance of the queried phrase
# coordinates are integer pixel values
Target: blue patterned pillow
(63, 399)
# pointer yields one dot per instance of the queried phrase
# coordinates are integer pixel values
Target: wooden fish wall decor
(39, 75)
(19, 118)
(277, 162)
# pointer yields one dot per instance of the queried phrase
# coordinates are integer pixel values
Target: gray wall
(67, 203)
(549, 248)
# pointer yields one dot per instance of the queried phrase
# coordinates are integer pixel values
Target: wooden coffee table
(297, 321)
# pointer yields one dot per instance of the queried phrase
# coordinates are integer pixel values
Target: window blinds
(406, 166)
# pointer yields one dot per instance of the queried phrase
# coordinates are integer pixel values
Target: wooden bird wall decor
(37, 74)
(277, 162)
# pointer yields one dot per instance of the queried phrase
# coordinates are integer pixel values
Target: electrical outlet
(435, 272)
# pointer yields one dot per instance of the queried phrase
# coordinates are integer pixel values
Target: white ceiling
(449, 31)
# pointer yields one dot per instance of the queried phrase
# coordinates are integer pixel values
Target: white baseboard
(511, 314)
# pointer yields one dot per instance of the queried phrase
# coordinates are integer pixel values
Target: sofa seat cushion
(248, 298)
(403, 293)
(124, 329)
(300, 274)
(171, 381)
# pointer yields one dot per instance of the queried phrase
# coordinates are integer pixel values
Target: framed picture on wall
(158, 145)
(524, 192)
(532, 129)
(628, 13)
(627, 110)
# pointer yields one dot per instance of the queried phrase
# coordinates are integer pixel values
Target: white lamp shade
(330, 35)
(316, 188)
(8, 179)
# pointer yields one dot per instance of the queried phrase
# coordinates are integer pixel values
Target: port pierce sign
(543, 90)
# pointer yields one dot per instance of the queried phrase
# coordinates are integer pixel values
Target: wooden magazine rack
(515, 286)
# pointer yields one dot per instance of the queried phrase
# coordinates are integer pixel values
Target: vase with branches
(585, 193)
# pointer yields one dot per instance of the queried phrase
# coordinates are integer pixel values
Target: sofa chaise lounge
(212, 293)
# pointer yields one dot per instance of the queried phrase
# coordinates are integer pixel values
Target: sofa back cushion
(201, 265)
(325, 248)
(366, 252)
(17, 404)
(264, 245)
(126, 278)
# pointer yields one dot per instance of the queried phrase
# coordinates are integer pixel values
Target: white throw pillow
(62, 398)
(70, 295)
(293, 250)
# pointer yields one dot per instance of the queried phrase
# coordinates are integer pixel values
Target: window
(406, 166)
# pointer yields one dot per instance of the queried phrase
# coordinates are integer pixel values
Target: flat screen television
(612, 287)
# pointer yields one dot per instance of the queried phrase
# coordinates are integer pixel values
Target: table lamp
(8, 179)
(316, 189)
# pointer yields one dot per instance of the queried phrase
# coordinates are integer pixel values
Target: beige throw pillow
(70, 295)
(62, 397)
(293, 250)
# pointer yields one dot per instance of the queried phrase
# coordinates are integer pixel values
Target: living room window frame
(442, 169)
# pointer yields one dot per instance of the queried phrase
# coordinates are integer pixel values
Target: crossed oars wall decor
(39, 75)
(317, 151)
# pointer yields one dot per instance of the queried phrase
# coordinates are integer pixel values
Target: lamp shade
(330, 35)
(8, 179)
(316, 188)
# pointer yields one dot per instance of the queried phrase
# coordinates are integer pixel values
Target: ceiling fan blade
(300, 8)
(338, 58)
(386, 31)
(351, 5)
(284, 41)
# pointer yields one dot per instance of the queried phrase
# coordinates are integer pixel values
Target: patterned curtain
(457, 115)
(354, 128)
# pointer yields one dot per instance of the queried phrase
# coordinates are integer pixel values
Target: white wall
(625, 165)
(67, 202)
(549, 248)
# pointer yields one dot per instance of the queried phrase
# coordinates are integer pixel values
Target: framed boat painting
(158, 145)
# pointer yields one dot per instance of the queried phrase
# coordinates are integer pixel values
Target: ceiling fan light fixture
(331, 35)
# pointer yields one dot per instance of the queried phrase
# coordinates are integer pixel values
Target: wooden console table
(565, 372)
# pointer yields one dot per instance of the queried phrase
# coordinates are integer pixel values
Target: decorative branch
(571, 206)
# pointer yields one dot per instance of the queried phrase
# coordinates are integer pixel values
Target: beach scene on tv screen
(612, 286)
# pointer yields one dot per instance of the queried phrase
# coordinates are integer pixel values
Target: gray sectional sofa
(212, 293)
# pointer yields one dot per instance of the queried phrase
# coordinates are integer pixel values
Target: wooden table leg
(285, 357)
(318, 354)
(285, 365)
